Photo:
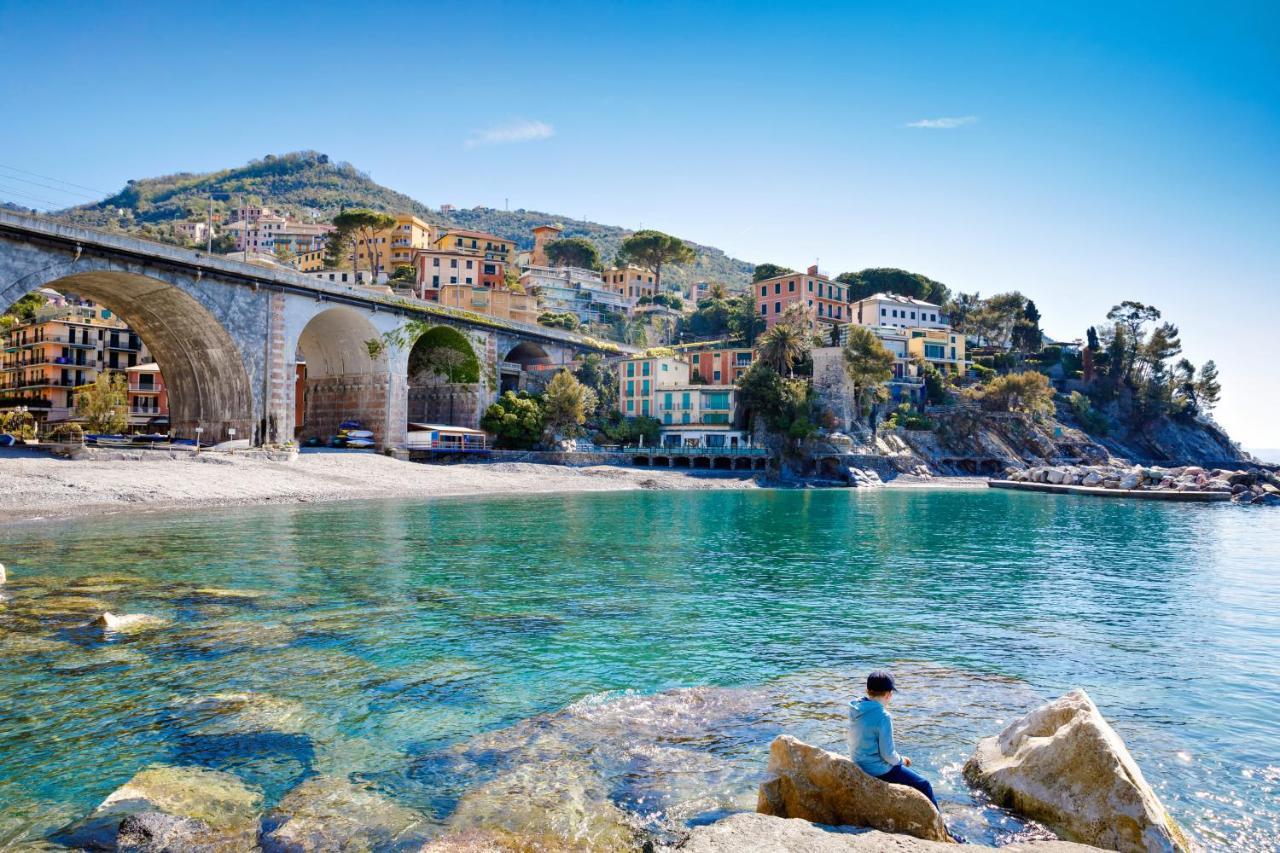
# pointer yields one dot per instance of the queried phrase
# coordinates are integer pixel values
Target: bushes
(906, 417)
(567, 321)
(1093, 421)
(67, 433)
(515, 420)
(1028, 392)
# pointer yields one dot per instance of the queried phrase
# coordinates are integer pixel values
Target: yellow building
(691, 414)
(495, 302)
(394, 247)
(631, 281)
(943, 348)
(312, 261)
(476, 243)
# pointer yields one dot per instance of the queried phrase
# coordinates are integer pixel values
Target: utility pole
(208, 228)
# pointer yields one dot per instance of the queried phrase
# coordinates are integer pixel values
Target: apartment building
(823, 299)
(894, 309)
(631, 281)
(395, 246)
(148, 398)
(691, 414)
(496, 302)
(711, 365)
(574, 290)
(65, 346)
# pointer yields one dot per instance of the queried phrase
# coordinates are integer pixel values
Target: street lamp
(198, 431)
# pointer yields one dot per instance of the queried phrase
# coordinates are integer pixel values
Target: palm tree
(718, 291)
(782, 346)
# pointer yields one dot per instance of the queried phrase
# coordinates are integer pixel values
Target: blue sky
(1081, 153)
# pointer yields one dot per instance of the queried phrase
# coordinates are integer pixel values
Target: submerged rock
(157, 832)
(764, 834)
(554, 804)
(1063, 765)
(811, 783)
(331, 814)
(220, 801)
(244, 713)
(128, 622)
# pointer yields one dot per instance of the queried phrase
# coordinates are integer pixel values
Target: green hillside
(307, 183)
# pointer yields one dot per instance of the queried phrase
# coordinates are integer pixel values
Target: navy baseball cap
(880, 682)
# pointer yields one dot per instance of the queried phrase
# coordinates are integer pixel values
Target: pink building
(823, 299)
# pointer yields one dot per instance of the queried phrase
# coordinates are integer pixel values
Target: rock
(807, 782)
(244, 713)
(128, 622)
(1242, 478)
(1131, 480)
(764, 834)
(1053, 475)
(219, 800)
(1216, 485)
(553, 803)
(1063, 765)
(157, 832)
(1093, 478)
(326, 813)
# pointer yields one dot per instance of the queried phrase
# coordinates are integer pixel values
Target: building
(893, 309)
(542, 235)
(822, 298)
(476, 243)
(711, 365)
(148, 398)
(631, 281)
(274, 234)
(496, 302)
(395, 246)
(691, 414)
(436, 268)
(312, 261)
(906, 386)
(66, 345)
(943, 348)
(576, 291)
(364, 278)
(195, 230)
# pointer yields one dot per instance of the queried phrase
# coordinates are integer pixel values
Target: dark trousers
(900, 775)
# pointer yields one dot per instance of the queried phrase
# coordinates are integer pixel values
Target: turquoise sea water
(649, 645)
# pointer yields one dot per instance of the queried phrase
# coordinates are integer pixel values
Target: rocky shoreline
(1258, 486)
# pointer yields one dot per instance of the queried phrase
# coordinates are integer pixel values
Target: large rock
(127, 622)
(811, 783)
(221, 802)
(1064, 766)
(330, 814)
(762, 834)
(157, 832)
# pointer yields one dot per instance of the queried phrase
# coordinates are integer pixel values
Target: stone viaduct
(277, 355)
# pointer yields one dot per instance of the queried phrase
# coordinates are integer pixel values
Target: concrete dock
(1140, 494)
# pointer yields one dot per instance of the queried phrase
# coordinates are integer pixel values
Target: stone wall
(330, 400)
(445, 403)
(831, 384)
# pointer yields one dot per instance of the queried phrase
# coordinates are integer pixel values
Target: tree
(565, 405)
(995, 319)
(787, 342)
(652, 250)
(1027, 337)
(868, 282)
(515, 420)
(405, 274)
(353, 227)
(1208, 388)
(1028, 392)
(763, 271)
(866, 362)
(961, 309)
(103, 404)
(596, 374)
(574, 252)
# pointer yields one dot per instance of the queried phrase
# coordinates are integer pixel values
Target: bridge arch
(343, 375)
(523, 362)
(445, 378)
(203, 368)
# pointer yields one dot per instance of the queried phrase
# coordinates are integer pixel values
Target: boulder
(1054, 475)
(558, 804)
(218, 800)
(1242, 478)
(1216, 485)
(763, 834)
(1131, 480)
(157, 832)
(1193, 471)
(326, 813)
(1093, 478)
(1064, 766)
(808, 782)
(127, 622)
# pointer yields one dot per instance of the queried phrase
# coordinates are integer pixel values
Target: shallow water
(437, 650)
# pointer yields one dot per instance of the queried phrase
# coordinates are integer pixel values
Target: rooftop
(900, 299)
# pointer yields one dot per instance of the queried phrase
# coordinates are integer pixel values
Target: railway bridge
(276, 355)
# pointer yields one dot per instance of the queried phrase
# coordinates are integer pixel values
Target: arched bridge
(278, 355)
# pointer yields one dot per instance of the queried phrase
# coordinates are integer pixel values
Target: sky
(1082, 153)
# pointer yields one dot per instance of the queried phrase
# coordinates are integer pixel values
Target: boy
(871, 737)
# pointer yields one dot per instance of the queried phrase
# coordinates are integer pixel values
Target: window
(665, 367)
(715, 377)
(913, 315)
(764, 309)
(453, 262)
(684, 400)
(435, 262)
(695, 358)
(791, 287)
(644, 368)
(666, 400)
(644, 407)
(884, 312)
(631, 368)
(777, 307)
(435, 281)
(934, 351)
(666, 417)
(644, 392)
(631, 405)
(468, 264)
(685, 418)
(811, 287)
(764, 291)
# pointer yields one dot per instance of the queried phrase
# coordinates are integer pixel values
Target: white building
(576, 291)
(902, 312)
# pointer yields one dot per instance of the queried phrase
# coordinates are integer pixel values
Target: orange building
(631, 281)
(717, 365)
(822, 298)
(438, 268)
(148, 398)
(542, 235)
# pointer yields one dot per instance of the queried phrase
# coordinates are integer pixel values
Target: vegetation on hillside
(308, 184)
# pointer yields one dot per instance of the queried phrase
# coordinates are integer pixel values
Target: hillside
(308, 183)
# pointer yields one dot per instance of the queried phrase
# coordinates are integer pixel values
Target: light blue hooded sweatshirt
(871, 737)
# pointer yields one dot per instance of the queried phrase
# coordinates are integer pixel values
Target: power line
(55, 180)
(11, 191)
(48, 187)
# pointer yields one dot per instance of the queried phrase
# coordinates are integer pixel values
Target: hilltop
(308, 183)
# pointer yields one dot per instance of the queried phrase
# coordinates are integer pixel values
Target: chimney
(813, 270)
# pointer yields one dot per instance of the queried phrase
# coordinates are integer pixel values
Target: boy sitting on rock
(871, 738)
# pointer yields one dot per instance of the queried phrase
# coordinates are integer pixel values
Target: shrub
(1093, 421)
(68, 433)
(1028, 392)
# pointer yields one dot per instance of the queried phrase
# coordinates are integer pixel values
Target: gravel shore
(36, 487)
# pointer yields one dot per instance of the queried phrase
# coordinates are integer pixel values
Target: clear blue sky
(1082, 153)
